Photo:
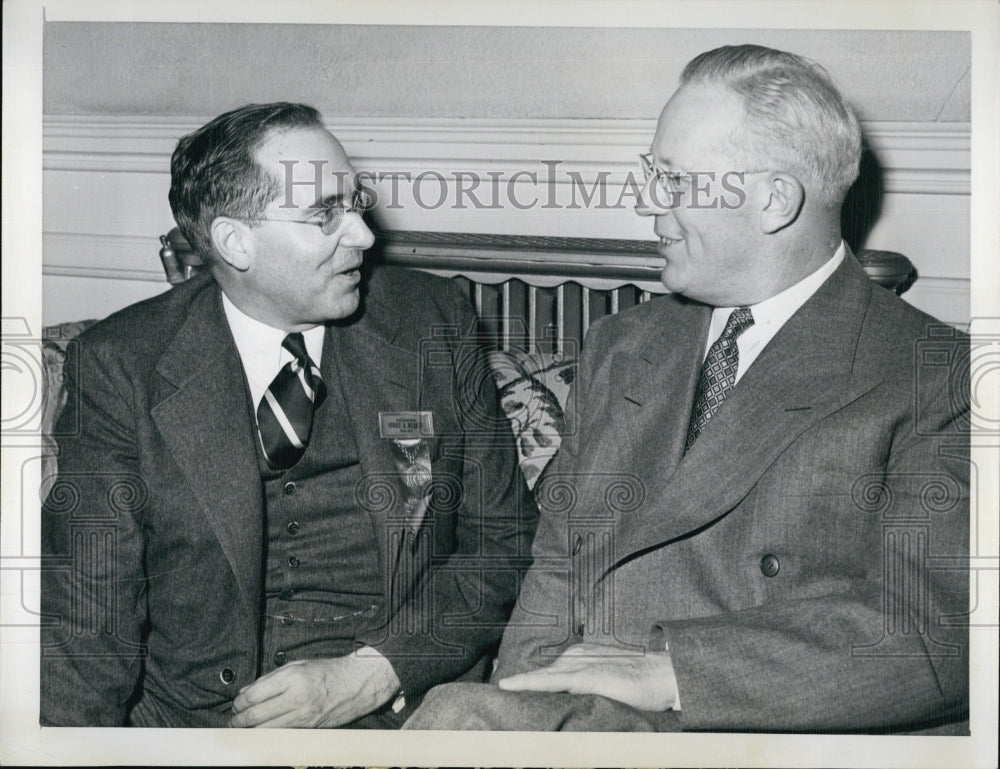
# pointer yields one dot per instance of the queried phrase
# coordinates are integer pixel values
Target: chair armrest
(179, 260)
(889, 269)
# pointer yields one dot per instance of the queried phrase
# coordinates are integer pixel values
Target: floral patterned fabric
(55, 340)
(533, 389)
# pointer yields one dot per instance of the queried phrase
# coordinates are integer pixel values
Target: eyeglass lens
(359, 202)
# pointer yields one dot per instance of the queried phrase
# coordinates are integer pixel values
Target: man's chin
(676, 284)
(671, 280)
(344, 305)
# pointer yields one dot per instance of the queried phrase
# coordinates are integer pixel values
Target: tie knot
(739, 321)
(296, 345)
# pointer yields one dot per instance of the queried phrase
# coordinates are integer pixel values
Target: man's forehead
(310, 162)
(303, 149)
(697, 120)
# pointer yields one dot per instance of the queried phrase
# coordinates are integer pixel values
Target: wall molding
(917, 158)
(947, 299)
(108, 256)
(124, 161)
(114, 257)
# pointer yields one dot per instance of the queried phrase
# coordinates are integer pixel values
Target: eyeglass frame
(651, 170)
(333, 215)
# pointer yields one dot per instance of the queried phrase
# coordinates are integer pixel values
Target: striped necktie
(285, 413)
(718, 374)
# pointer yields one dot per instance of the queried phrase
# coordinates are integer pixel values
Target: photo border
(23, 742)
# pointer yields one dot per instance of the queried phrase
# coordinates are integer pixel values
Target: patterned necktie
(718, 375)
(285, 413)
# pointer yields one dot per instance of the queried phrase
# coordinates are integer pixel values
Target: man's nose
(642, 206)
(354, 233)
(646, 202)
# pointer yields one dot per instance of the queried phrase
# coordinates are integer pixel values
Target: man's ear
(233, 242)
(786, 197)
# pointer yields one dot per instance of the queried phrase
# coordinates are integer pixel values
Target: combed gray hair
(796, 119)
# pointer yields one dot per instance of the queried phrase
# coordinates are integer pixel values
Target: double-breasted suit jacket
(154, 534)
(805, 561)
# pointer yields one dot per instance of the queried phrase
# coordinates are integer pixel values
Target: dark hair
(794, 113)
(213, 171)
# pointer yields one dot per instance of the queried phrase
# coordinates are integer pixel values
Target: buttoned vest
(322, 582)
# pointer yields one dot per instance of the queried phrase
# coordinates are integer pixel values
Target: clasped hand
(644, 680)
(317, 693)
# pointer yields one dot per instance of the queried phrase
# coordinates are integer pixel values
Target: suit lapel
(204, 423)
(804, 374)
(375, 376)
(653, 387)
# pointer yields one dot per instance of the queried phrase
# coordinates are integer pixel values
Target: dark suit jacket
(153, 535)
(806, 560)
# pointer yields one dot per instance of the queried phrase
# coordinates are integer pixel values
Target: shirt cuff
(677, 698)
(657, 644)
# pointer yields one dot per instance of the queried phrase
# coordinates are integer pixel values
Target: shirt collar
(257, 339)
(260, 350)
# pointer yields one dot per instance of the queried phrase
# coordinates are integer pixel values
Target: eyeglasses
(672, 184)
(668, 181)
(329, 218)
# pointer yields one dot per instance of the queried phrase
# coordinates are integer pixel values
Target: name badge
(402, 425)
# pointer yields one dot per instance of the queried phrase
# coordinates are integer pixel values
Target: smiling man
(281, 496)
(758, 519)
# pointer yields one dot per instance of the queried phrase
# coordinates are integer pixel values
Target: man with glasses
(288, 496)
(758, 518)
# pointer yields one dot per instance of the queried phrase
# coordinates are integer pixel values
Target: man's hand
(317, 693)
(645, 681)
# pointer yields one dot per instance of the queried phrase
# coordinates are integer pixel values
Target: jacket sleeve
(458, 602)
(540, 626)
(92, 582)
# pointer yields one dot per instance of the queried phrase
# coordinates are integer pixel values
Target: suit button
(769, 565)
(280, 658)
(289, 489)
(293, 527)
(227, 676)
(577, 544)
(293, 561)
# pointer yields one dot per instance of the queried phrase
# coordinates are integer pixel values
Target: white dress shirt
(259, 346)
(771, 314)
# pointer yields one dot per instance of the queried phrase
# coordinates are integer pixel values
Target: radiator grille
(516, 315)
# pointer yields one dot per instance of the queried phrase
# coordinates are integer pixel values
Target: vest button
(280, 658)
(293, 527)
(289, 489)
(769, 565)
(227, 676)
(293, 561)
